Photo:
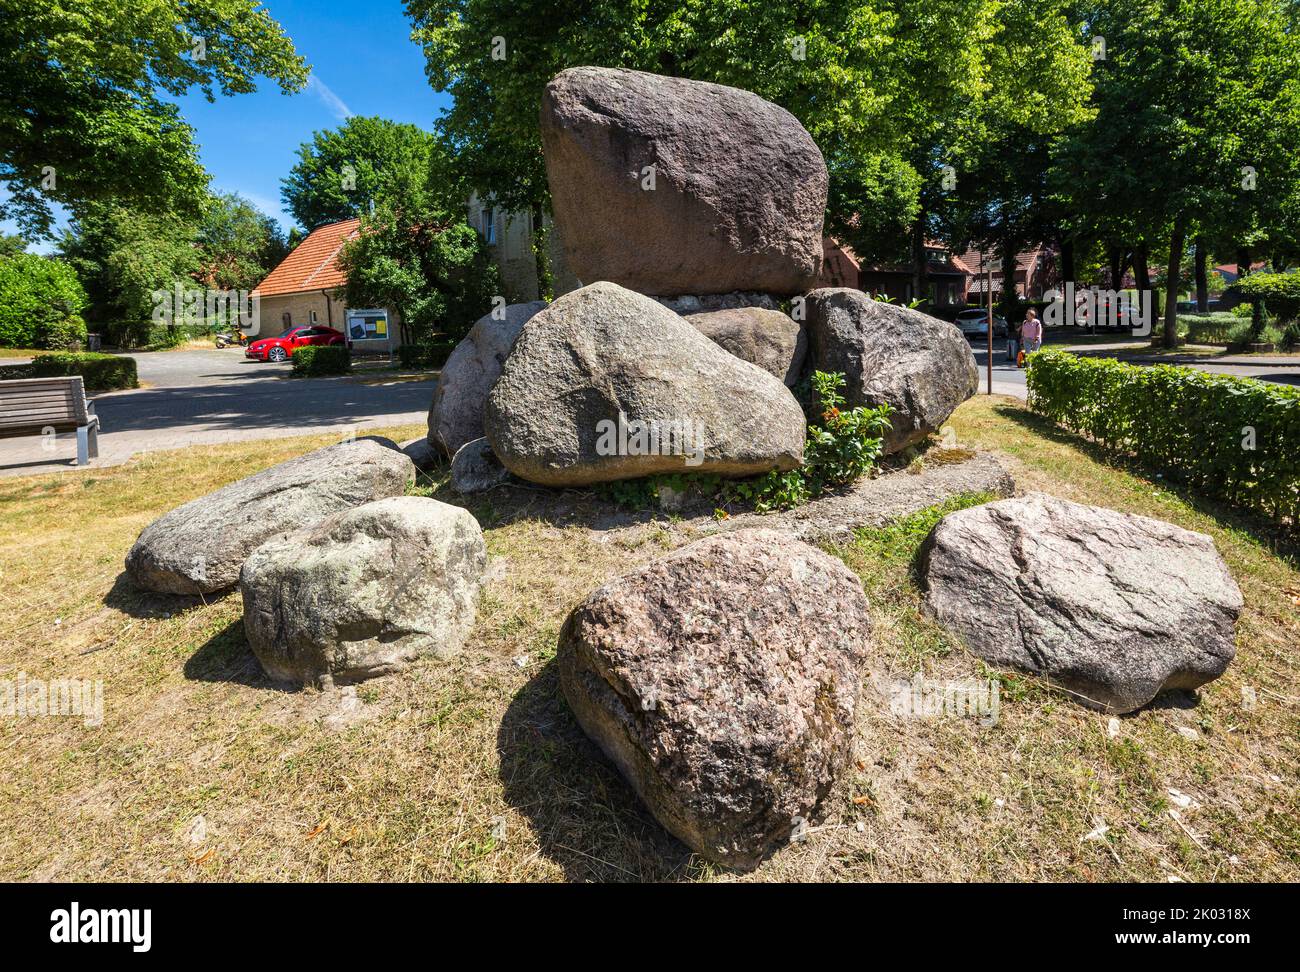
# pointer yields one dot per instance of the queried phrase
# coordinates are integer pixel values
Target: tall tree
(82, 117)
(238, 244)
(122, 257)
(877, 85)
(1198, 113)
(342, 172)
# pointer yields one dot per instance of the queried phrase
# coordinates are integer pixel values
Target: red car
(281, 348)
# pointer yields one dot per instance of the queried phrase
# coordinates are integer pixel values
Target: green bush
(40, 300)
(843, 448)
(1210, 328)
(313, 361)
(102, 372)
(1278, 293)
(1235, 439)
(430, 354)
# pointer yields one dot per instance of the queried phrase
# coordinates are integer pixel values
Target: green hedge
(102, 372)
(311, 361)
(1186, 423)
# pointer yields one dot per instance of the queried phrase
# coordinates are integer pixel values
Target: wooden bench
(39, 406)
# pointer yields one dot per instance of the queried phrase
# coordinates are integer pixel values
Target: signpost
(988, 288)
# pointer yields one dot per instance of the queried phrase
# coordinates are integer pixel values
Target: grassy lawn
(474, 769)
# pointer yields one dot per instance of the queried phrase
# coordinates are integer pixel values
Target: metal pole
(988, 283)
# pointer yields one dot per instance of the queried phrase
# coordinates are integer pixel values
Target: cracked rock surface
(722, 681)
(1111, 607)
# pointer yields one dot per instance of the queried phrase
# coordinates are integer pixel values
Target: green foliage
(864, 79)
(842, 449)
(341, 171)
(1236, 439)
(102, 372)
(899, 542)
(122, 257)
(238, 244)
(434, 271)
(313, 361)
(87, 108)
(40, 300)
(431, 355)
(1273, 293)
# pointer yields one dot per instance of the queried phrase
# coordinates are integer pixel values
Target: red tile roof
(313, 265)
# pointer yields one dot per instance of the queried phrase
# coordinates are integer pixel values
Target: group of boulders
(695, 213)
(723, 678)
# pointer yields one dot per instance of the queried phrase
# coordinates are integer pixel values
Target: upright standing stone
(669, 186)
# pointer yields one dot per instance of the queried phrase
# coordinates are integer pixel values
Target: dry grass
(474, 769)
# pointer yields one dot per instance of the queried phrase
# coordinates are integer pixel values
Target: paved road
(206, 397)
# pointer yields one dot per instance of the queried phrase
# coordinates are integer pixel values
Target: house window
(489, 226)
(311, 317)
(368, 325)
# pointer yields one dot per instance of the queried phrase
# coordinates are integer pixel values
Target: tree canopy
(342, 171)
(82, 113)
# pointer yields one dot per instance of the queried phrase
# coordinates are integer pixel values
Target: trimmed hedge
(314, 360)
(102, 372)
(1197, 427)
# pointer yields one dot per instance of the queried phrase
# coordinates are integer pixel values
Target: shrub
(312, 361)
(845, 447)
(426, 354)
(40, 299)
(102, 372)
(1235, 439)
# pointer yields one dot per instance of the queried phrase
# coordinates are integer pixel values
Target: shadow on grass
(587, 818)
(1272, 535)
(124, 596)
(226, 657)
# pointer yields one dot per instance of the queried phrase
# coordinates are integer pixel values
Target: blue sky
(363, 63)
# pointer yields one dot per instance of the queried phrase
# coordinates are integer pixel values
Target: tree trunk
(1116, 267)
(542, 255)
(1200, 265)
(1243, 262)
(1067, 260)
(918, 258)
(1171, 283)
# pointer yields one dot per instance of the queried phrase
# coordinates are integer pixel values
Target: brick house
(306, 288)
(947, 278)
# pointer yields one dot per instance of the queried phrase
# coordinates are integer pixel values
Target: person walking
(1031, 332)
(1013, 342)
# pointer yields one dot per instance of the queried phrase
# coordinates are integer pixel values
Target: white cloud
(332, 101)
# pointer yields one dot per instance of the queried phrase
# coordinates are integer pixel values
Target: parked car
(974, 323)
(281, 348)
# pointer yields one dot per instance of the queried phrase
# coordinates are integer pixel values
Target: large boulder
(766, 338)
(606, 384)
(920, 366)
(199, 548)
(722, 681)
(456, 415)
(1111, 607)
(364, 592)
(739, 185)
